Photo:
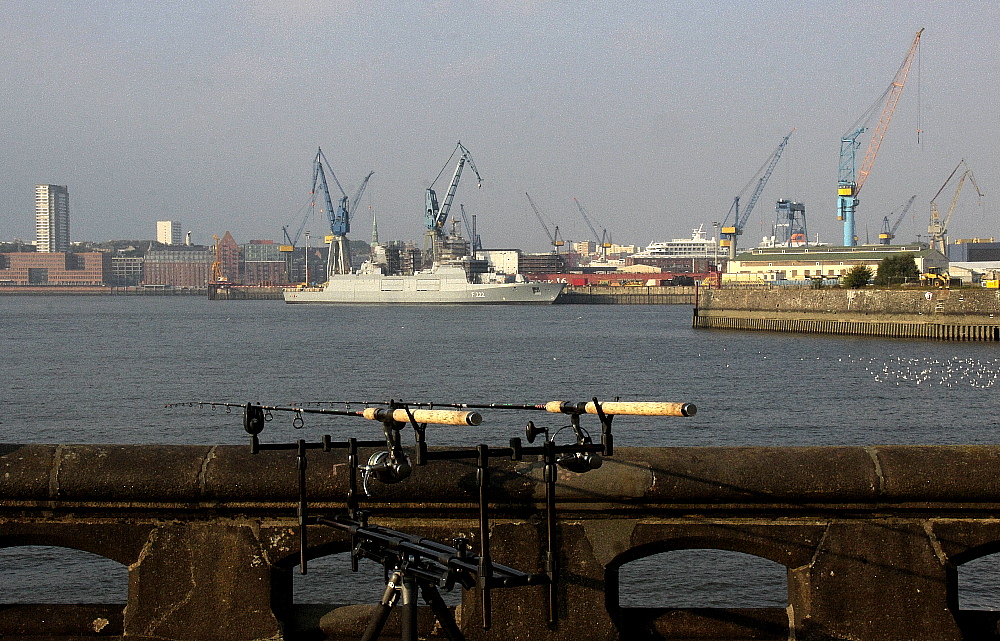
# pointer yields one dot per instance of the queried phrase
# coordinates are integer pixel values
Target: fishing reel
(385, 467)
(578, 461)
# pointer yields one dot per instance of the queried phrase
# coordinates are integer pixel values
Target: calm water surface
(102, 370)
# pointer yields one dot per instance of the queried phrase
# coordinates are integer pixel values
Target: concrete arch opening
(53, 574)
(974, 593)
(333, 600)
(53, 590)
(978, 584)
(691, 592)
(702, 578)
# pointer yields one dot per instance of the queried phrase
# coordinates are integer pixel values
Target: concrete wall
(871, 537)
(919, 305)
(626, 295)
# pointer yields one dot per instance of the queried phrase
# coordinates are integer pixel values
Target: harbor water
(114, 369)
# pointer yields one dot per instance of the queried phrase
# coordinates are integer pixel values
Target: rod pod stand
(442, 561)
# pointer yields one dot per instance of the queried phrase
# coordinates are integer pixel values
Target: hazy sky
(653, 114)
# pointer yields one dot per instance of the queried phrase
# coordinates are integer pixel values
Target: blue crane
(436, 216)
(339, 217)
(889, 231)
(731, 233)
(849, 182)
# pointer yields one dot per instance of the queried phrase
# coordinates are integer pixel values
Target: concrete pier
(935, 314)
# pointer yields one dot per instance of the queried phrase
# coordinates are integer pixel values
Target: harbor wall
(940, 314)
(245, 292)
(626, 295)
(870, 539)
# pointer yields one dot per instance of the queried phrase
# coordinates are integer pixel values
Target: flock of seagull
(949, 372)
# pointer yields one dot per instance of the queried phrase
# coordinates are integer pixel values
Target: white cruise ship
(698, 246)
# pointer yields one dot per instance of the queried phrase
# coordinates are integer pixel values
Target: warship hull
(445, 285)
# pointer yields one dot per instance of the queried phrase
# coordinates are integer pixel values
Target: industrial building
(974, 250)
(777, 264)
(51, 218)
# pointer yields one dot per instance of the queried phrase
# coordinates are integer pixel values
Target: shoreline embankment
(936, 314)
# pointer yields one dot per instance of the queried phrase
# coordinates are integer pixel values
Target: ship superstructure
(698, 246)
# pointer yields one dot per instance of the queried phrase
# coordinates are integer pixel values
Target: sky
(653, 115)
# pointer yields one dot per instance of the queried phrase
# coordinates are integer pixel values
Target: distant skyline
(653, 114)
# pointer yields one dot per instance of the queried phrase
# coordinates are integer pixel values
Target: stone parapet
(871, 537)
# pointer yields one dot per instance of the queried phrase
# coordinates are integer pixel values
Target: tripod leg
(485, 561)
(409, 609)
(551, 560)
(440, 609)
(382, 610)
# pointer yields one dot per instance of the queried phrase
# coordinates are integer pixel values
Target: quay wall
(626, 295)
(98, 290)
(245, 292)
(870, 538)
(941, 314)
(54, 290)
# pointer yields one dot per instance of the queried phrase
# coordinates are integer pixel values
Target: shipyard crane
(470, 229)
(436, 216)
(851, 182)
(889, 231)
(339, 261)
(292, 242)
(730, 234)
(938, 229)
(603, 239)
(554, 239)
(217, 275)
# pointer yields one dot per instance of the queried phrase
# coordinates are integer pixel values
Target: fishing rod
(397, 412)
(633, 408)
(616, 407)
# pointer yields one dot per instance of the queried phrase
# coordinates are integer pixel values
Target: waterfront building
(55, 268)
(263, 263)
(503, 261)
(227, 259)
(540, 263)
(621, 251)
(126, 271)
(52, 218)
(179, 266)
(169, 232)
(775, 264)
(584, 248)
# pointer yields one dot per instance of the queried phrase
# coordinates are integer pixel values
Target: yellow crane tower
(217, 275)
